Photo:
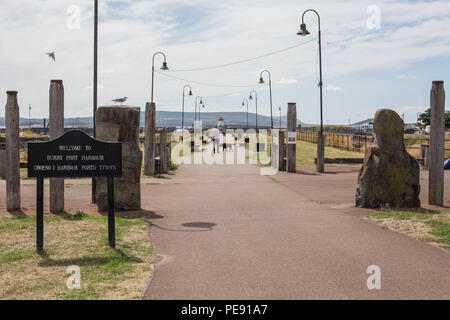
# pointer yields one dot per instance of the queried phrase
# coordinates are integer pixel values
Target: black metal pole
(270, 89)
(40, 215)
(280, 118)
(111, 218)
(182, 116)
(94, 182)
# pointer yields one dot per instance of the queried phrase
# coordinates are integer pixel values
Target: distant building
(221, 122)
(366, 125)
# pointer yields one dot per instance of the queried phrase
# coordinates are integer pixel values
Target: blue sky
(365, 67)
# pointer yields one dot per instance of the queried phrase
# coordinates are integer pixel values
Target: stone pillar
(436, 152)
(150, 124)
(163, 152)
(56, 125)
(121, 124)
(389, 175)
(12, 152)
(292, 137)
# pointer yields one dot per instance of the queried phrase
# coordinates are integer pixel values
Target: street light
(164, 68)
(29, 116)
(95, 88)
(196, 103)
(261, 81)
(280, 116)
(182, 114)
(320, 143)
(256, 103)
(199, 109)
(244, 102)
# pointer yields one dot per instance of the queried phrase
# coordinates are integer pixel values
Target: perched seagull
(51, 55)
(120, 100)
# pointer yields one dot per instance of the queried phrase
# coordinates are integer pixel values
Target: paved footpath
(226, 232)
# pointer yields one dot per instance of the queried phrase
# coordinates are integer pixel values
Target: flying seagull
(51, 55)
(120, 100)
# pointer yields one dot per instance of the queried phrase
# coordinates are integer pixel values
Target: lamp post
(182, 113)
(261, 81)
(94, 182)
(244, 102)
(280, 116)
(199, 109)
(196, 103)
(256, 103)
(164, 68)
(320, 143)
(29, 116)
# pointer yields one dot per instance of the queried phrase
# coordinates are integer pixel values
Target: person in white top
(214, 134)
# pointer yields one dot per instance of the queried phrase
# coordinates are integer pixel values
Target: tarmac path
(226, 232)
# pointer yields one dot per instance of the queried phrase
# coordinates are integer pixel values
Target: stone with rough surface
(121, 124)
(389, 175)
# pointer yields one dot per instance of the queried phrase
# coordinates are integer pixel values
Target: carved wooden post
(291, 137)
(12, 152)
(436, 151)
(150, 124)
(56, 124)
(164, 157)
(281, 152)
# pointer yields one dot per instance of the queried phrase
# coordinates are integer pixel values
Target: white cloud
(333, 88)
(287, 81)
(406, 77)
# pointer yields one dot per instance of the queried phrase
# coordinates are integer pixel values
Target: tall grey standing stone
(12, 152)
(437, 144)
(150, 124)
(121, 124)
(291, 141)
(56, 125)
(389, 175)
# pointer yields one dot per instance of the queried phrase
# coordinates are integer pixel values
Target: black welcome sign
(74, 155)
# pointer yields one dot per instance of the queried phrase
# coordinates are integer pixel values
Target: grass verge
(427, 225)
(78, 240)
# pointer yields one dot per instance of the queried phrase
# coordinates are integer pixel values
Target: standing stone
(56, 125)
(424, 148)
(291, 141)
(12, 152)
(150, 123)
(121, 124)
(389, 175)
(437, 144)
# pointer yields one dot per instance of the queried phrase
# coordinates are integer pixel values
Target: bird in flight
(120, 100)
(51, 55)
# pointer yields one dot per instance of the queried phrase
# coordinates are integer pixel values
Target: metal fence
(360, 141)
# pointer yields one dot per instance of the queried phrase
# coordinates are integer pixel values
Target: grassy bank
(427, 225)
(77, 240)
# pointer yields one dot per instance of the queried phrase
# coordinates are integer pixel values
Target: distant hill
(173, 119)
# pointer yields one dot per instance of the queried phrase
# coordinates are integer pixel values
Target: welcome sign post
(74, 155)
